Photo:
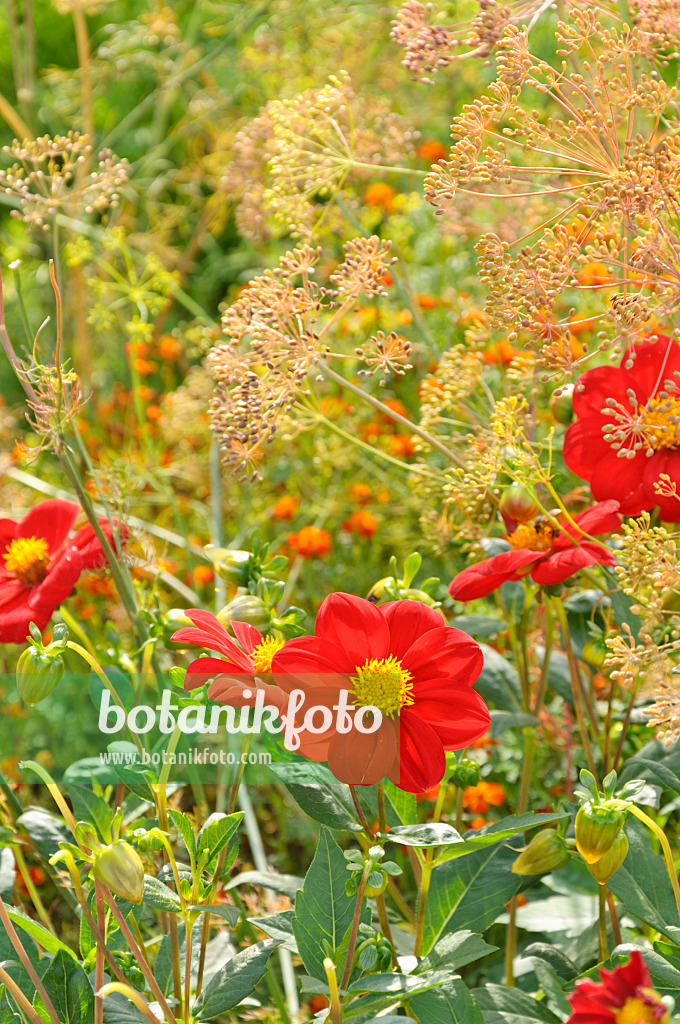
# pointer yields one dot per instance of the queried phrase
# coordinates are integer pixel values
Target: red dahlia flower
(623, 996)
(627, 428)
(401, 659)
(38, 569)
(550, 554)
(40, 564)
(242, 664)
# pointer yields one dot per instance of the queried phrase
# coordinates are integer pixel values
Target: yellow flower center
(661, 422)
(28, 558)
(384, 684)
(537, 536)
(640, 1011)
(263, 654)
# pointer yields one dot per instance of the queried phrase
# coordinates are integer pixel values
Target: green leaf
(130, 769)
(399, 984)
(7, 873)
(162, 967)
(436, 834)
(186, 831)
(119, 1010)
(455, 951)
(286, 884)
(319, 794)
(88, 770)
(46, 831)
(278, 926)
(498, 682)
(323, 911)
(69, 989)
(230, 914)
(49, 942)
(469, 893)
(160, 896)
(235, 981)
(552, 986)
(403, 803)
(216, 833)
(558, 960)
(478, 625)
(453, 1003)
(502, 720)
(508, 827)
(88, 806)
(643, 886)
(501, 1005)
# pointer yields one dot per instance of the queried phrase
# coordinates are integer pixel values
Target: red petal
(457, 714)
(203, 669)
(584, 445)
(595, 386)
(444, 652)
(663, 462)
(309, 662)
(407, 621)
(89, 544)
(655, 364)
(248, 637)
(621, 479)
(422, 761)
(480, 579)
(354, 625)
(359, 759)
(8, 528)
(51, 520)
(562, 564)
(601, 518)
(59, 582)
(211, 634)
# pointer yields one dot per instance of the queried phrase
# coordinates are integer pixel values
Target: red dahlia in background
(40, 563)
(402, 659)
(627, 428)
(623, 996)
(549, 553)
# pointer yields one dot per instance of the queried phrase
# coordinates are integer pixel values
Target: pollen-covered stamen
(651, 427)
(537, 536)
(28, 558)
(645, 1007)
(263, 654)
(384, 684)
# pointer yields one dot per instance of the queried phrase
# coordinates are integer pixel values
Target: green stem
(334, 993)
(347, 973)
(360, 813)
(602, 922)
(10, 931)
(422, 902)
(99, 671)
(19, 997)
(616, 927)
(575, 690)
(31, 889)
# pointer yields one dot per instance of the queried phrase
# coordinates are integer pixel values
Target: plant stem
(422, 901)
(347, 973)
(335, 1008)
(31, 889)
(360, 813)
(616, 927)
(19, 997)
(575, 689)
(10, 931)
(132, 995)
(602, 922)
(99, 962)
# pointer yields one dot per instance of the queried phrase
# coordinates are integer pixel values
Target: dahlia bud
(381, 589)
(120, 868)
(517, 506)
(606, 866)
(546, 852)
(231, 565)
(39, 672)
(596, 827)
(562, 404)
(466, 773)
(246, 608)
(594, 652)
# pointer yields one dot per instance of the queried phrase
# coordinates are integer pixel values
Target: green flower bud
(517, 505)
(562, 405)
(546, 852)
(596, 829)
(231, 565)
(38, 673)
(466, 773)
(380, 589)
(376, 890)
(120, 868)
(606, 866)
(594, 652)
(246, 608)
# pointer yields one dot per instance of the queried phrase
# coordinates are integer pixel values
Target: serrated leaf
(162, 967)
(558, 960)
(216, 833)
(230, 914)
(452, 1003)
(47, 940)
(323, 910)
(278, 926)
(235, 981)
(45, 830)
(160, 896)
(501, 1005)
(455, 951)
(286, 884)
(186, 831)
(643, 886)
(507, 828)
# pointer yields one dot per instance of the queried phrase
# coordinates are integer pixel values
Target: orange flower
(318, 1003)
(477, 799)
(203, 575)
(285, 507)
(310, 542)
(503, 353)
(362, 522)
(594, 275)
(426, 301)
(145, 367)
(361, 493)
(402, 445)
(379, 194)
(168, 347)
(432, 150)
